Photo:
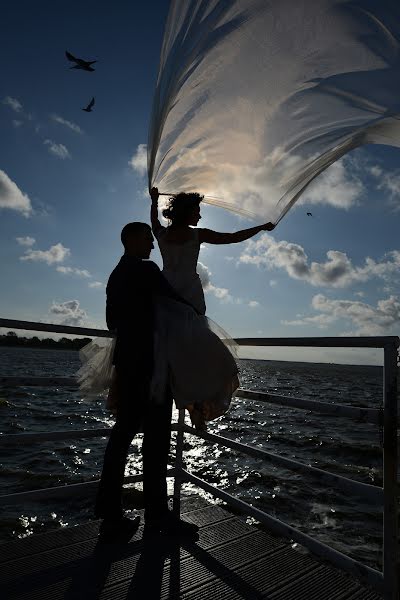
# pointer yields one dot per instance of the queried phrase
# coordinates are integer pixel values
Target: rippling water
(332, 443)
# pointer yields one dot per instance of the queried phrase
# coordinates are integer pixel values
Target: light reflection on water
(331, 443)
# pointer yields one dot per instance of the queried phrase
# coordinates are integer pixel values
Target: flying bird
(309, 214)
(89, 106)
(85, 65)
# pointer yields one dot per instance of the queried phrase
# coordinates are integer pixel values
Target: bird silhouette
(80, 63)
(89, 106)
(309, 214)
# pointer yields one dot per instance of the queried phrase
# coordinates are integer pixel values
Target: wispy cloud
(53, 257)
(73, 271)
(58, 150)
(66, 123)
(11, 196)
(388, 181)
(96, 285)
(337, 271)
(13, 103)
(17, 123)
(138, 162)
(26, 241)
(253, 304)
(367, 319)
(55, 254)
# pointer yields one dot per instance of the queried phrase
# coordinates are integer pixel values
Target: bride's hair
(180, 206)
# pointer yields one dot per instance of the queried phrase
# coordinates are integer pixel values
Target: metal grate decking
(231, 560)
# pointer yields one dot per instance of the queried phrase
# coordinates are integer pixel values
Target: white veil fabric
(255, 98)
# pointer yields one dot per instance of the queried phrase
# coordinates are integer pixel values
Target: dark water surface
(336, 444)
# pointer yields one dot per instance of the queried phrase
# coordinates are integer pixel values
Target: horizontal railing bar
(69, 490)
(51, 327)
(324, 342)
(321, 342)
(365, 490)
(365, 415)
(366, 574)
(21, 439)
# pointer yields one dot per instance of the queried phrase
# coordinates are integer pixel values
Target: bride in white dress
(201, 350)
(191, 353)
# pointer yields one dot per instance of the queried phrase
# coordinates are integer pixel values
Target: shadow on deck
(231, 560)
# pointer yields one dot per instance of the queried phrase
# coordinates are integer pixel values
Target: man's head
(137, 239)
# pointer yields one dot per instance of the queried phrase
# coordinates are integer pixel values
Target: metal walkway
(231, 560)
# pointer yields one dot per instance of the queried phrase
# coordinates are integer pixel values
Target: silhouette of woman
(179, 243)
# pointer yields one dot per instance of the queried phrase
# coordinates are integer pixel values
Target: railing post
(178, 463)
(390, 515)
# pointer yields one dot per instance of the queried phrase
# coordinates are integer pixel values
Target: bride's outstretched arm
(215, 237)
(155, 222)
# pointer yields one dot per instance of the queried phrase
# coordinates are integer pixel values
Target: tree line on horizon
(12, 339)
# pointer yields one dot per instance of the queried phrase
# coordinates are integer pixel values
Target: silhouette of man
(132, 290)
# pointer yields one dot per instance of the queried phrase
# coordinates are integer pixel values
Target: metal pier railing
(386, 582)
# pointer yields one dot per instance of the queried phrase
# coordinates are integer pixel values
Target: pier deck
(231, 560)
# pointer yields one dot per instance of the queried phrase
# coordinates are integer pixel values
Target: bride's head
(183, 209)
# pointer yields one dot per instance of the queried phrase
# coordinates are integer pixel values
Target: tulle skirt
(192, 355)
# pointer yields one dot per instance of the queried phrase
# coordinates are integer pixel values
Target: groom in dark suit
(132, 290)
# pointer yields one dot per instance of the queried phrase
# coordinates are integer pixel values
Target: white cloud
(68, 313)
(204, 274)
(337, 187)
(383, 319)
(389, 182)
(138, 162)
(375, 170)
(13, 103)
(367, 319)
(58, 150)
(96, 284)
(337, 271)
(321, 321)
(220, 293)
(73, 271)
(26, 241)
(205, 278)
(12, 197)
(273, 282)
(55, 254)
(68, 124)
(253, 303)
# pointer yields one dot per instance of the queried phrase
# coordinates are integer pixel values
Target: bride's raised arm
(215, 237)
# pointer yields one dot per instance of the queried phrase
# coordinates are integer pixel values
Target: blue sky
(68, 184)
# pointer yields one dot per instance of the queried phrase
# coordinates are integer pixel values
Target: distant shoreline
(12, 340)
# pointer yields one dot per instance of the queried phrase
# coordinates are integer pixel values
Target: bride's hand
(268, 227)
(154, 194)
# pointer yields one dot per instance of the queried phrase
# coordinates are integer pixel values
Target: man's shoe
(118, 530)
